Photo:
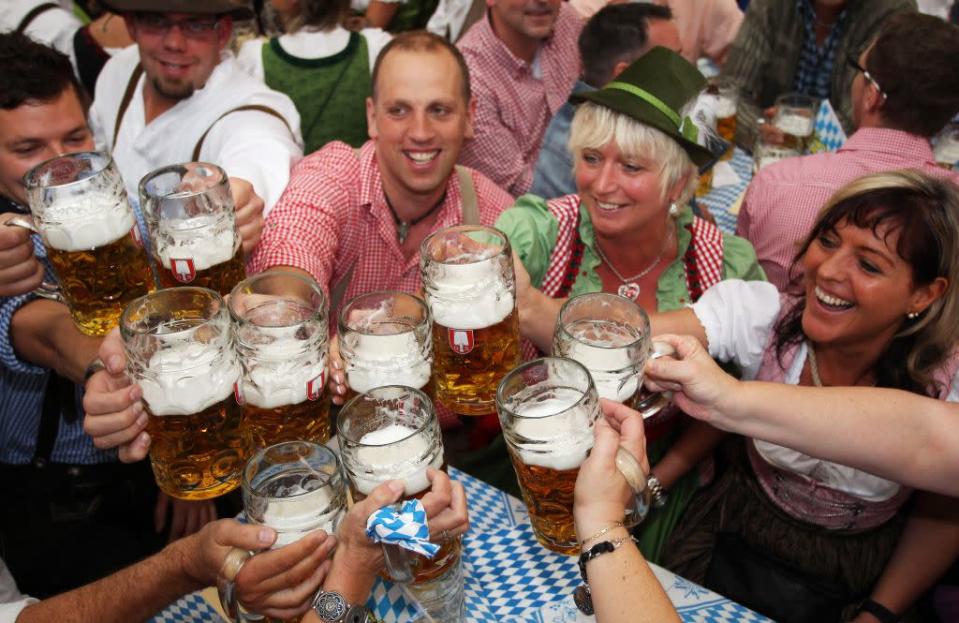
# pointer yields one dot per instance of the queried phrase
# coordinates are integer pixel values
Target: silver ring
(446, 537)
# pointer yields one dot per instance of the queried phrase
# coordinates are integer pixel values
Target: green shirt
(532, 232)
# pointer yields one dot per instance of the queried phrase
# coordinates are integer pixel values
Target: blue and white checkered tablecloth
(510, 577)
(721, 198)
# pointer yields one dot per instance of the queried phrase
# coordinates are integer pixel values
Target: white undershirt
(311, 44)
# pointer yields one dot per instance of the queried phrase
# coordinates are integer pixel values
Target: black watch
(331, 607)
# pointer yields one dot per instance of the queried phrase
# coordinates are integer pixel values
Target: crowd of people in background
(810, 478)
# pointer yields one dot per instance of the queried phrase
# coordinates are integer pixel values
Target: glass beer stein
(796, 117)
(610, 336)
(81, 212)
(192, 222)
(723, 96)
(470, 288)
(392, 433)
(281, 326)
(386, 339)
(179, 348)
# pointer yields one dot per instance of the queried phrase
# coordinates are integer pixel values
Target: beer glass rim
(180, 168)
(561, 326)
(270, 274)
(343, 324)
(425, 246)
(355, 400)
(802, 100)
(31, 182)
(127, 331)
(262, 452)
(518, 370)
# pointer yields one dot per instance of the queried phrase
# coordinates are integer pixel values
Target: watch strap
(876, 609)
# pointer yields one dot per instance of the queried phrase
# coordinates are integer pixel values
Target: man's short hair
(618, 32)
(914, 61)
(423, 41)
(32, 72)
(319, 14)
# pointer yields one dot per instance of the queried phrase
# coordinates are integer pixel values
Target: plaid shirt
(334, 216)
(783, 200)
(815, 62)
(513, 107)
(764, 57)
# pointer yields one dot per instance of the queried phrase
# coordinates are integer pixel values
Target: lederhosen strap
(256, 107)
(125, 102)
(33, 14)
(59, 399)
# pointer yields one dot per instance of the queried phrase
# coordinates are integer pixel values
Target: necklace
(813, 365)
(403, 227)
(630, 288)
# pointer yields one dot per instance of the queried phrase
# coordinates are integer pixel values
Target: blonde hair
(594, 126)
(924, 210)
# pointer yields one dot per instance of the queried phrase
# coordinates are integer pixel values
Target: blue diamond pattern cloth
(509, 576)
(721, 198)
(829, 133)
(405, 527)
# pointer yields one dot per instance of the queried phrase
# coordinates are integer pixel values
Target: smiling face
(858, 288)
(178, 51)
(35, 132)
(419, 119)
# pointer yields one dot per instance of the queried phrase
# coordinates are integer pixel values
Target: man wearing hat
(905, 90)
(178, 95)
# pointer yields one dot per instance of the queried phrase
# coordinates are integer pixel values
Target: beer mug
(723, 96)
(179, 348)
(610, 336)
(765, 154)
(796, 117)
(470, 287)
(81, 212)
(386, 339)
(947, 148)
(391, 433)
(192, 221)
(295, 488)
(281, 327)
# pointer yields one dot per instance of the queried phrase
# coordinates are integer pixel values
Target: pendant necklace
(814, 367)
(403, 227)
(630, 286)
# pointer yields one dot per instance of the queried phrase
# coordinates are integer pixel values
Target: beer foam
(188, 378)
(86, 222)
(379, 360)
(559, 442)
(279, 375)
(216, 245)
(385, 455)
(301, 511)
(724, 107)
(795, 124)
(947, 152)
(614, 375)
(469, 296)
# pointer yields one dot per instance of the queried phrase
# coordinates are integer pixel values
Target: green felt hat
(238, 9)
(652, 91)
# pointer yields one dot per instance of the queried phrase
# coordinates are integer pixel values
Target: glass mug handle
(46, 289)
(654, 402)
(632, 471)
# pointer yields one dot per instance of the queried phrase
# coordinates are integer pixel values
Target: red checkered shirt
(784, 199)
(513, 108)
(334, 215)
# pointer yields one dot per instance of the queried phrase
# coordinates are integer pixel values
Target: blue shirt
(814, 71)
(553, 175)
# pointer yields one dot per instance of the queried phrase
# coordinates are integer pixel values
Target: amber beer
(724, 99)
(81, 211)
(391, 433)
(192, 221)
(470, 287)
(280, 319)
(547, 408)
(179, 347)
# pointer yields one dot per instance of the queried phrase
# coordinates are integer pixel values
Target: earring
(912, 315)
(673, 209)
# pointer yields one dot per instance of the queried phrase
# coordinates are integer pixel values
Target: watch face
(330, 606)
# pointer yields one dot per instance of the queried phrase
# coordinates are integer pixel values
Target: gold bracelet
(602, 532)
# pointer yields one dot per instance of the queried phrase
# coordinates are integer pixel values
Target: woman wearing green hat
(630, 231)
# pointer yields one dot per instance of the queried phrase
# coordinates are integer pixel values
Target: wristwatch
(331, 607)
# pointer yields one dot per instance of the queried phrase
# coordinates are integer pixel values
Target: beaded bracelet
(582, 595)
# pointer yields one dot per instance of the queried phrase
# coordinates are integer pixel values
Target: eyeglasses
(853, 62)
(160, 24)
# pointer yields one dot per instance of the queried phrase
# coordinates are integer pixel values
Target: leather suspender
(125, 102)
(257, 107)
(33, 14)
